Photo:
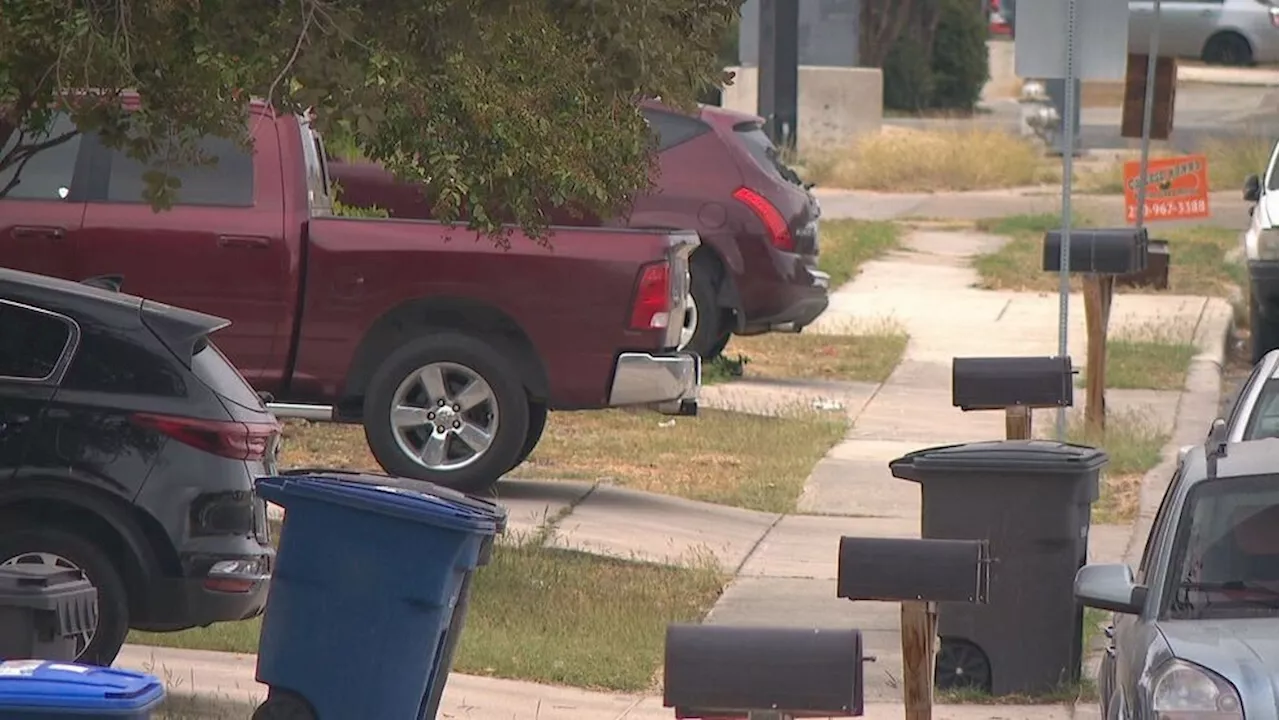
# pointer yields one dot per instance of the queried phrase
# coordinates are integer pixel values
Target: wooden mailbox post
(918, 574)
(1100, 254)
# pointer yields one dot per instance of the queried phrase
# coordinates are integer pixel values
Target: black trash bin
(44, 612)
(449, 644)
(1030, 499)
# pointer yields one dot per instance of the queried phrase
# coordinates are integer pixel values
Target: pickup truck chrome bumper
(668, 381)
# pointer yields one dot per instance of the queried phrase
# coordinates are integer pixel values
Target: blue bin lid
(44, 686)
(396, 502)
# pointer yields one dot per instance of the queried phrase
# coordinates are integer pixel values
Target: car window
(32, 342)
(673, 129)
(1265, 421)
(764, 152)
(1226, 558)
(1241, 396)
(227, 183)
(213, 368)
(47, 174)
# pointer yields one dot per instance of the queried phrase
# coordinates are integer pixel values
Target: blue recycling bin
(363, 594)
(45, 690)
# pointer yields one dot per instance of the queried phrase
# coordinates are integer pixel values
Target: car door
(1185, 25)
(35, 348)
(1269, 198)
(220, 249)
(42, 200)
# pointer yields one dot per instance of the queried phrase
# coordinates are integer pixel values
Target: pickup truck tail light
(229, 439)
(651, 307)
(774, 223)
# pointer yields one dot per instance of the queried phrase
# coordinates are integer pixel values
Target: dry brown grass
(903, 160)
(722, 457)
(862, 355)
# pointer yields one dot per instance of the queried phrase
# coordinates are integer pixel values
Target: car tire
(52, 545)
(1228, 48)
(1264, 335)
(537, 423)
(493, 414)
(706, 332)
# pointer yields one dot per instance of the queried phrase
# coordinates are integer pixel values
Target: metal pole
(1153, 55)
(1068, 157)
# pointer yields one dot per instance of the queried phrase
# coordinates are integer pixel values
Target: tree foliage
(499, 107)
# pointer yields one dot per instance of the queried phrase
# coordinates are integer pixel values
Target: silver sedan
(1195, 631)
(1225, 32)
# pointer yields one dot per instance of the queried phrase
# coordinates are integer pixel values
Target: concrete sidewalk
(221, 686)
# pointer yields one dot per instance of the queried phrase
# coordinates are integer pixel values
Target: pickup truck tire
(32, 544)
(447, 408)
(1263, 332)
(705, 332)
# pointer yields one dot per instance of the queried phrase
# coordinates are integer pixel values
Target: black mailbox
(1156, 276)
(1003, 382)
(718, 669)
(1106, 251)
(895, 569)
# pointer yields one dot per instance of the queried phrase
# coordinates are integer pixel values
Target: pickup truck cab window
(47, 174)
(226, 182)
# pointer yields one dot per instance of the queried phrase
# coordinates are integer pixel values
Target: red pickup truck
(448, 349)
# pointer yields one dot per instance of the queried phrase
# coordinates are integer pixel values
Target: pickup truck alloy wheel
(448, 408)
(27, 545)
(690, 325)
(445, 416)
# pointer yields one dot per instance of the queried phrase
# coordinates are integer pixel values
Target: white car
(1260, 251)
(1221, 32)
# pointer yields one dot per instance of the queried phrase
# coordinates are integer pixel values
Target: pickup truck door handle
(248, 242)
(37, 232)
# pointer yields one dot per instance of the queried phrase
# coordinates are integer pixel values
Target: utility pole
(779, 69)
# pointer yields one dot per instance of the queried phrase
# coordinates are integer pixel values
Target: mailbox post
(1100, 255)
(918, 574)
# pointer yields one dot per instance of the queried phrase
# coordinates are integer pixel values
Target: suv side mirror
(1252, 189)
(1110, 587)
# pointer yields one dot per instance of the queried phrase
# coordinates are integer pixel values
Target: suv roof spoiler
(182, 331)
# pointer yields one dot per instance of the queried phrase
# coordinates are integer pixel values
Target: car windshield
(1226, 558)
(1265, 421)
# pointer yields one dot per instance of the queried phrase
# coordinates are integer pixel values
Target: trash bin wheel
(284, 705)
(961, 665)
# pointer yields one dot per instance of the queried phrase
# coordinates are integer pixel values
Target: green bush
(946, 75)
(960, 63)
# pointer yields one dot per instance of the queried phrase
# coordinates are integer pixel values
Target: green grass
(843, 246)
(867, 354)
(546, 615)
(1133, 444)
(1198, 263)
(1148, 364)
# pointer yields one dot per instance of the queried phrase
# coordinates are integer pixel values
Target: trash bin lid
(399, 502)
(36, 579)
(1001, 456)
(43, 686)
(479, 504)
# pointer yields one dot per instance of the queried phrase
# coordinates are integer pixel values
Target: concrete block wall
(834, 104)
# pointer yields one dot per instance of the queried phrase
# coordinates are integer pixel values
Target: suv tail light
(227, 438)
(774, 223)
(651, 307)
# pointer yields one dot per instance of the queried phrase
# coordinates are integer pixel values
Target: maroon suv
(756, 269)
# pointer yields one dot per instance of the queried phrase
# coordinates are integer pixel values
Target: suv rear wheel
(447, 408)
(23, 545)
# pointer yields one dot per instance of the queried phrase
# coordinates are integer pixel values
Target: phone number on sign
(1172, 208)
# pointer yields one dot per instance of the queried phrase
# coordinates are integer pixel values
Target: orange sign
(1177, 188)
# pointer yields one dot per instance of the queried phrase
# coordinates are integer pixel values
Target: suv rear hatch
(767, 177)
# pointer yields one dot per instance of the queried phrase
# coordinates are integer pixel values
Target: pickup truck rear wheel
(704, 331)
(448, 408)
